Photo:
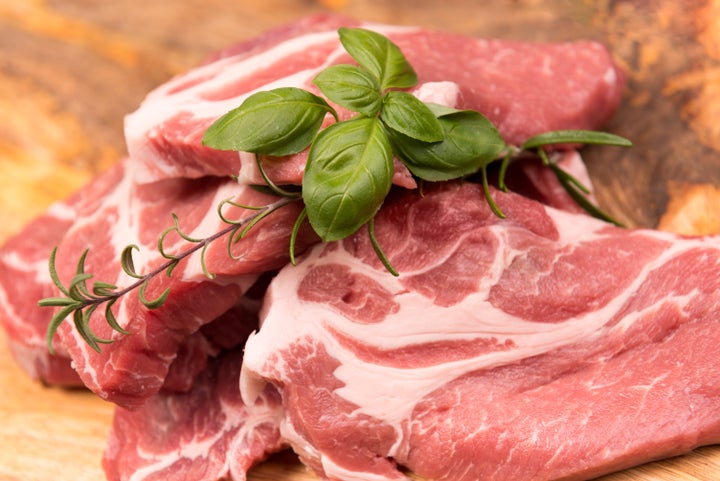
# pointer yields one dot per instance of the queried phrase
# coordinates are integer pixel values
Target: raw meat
(524, 88)
(228, 331)
(170, 371)
(159, 438)
(24, 280)
(206, 434)
(135, 366)
(548, 345)
(530, 178)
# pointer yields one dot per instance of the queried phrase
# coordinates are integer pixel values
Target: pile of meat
(545, 345)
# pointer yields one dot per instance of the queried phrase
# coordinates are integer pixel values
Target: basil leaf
(471, 143)
(347, 176)
(575, 137)
(351, 87)
(276, 122)
(409, 115)
(379, 56)
(440, 110)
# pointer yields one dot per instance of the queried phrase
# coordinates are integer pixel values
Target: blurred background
(71, 69)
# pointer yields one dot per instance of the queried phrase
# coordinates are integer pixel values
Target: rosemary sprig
(80, 300)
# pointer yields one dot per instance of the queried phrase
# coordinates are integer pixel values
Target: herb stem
(201, 244)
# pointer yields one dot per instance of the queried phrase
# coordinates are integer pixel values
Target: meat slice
(530, 178)
(24, 280)
(206, 434)
(547, 345)
(135, 366)
(524, 89)
(229, 330)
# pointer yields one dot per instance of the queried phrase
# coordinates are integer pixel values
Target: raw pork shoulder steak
(523, 88)
(136, 365)
(206, 434)
(113, 212)
(25, 279)
(548, 345)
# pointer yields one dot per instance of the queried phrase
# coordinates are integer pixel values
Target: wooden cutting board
(70, 70)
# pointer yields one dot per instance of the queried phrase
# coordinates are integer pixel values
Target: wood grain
(71, 69)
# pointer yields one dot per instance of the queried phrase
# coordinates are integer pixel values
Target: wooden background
(71, 69)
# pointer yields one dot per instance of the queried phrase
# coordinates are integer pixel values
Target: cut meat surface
(206, 434)
(135, 366)
(226, 332)
(523, 88)
(547, 345)
(530, 178)
(24, 280)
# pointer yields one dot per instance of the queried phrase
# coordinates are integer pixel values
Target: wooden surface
(70, 70)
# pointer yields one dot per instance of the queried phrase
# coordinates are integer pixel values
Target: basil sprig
(350, 163)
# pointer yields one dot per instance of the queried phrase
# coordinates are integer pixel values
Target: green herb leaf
(347, 176)
(111, 319)
(276, 122)
(575, 137)
(351, 87)
(82, 325)
(58, 319)
(378, 248)
(77, 287)
(126, 261)
(103, 289)
(578, 194)
(440, 110)
(471, 143)
(53, 273)
(152, 303)
(379, 56)
(57, 302)
(295, 230)
(405, 113)
(271, 186)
